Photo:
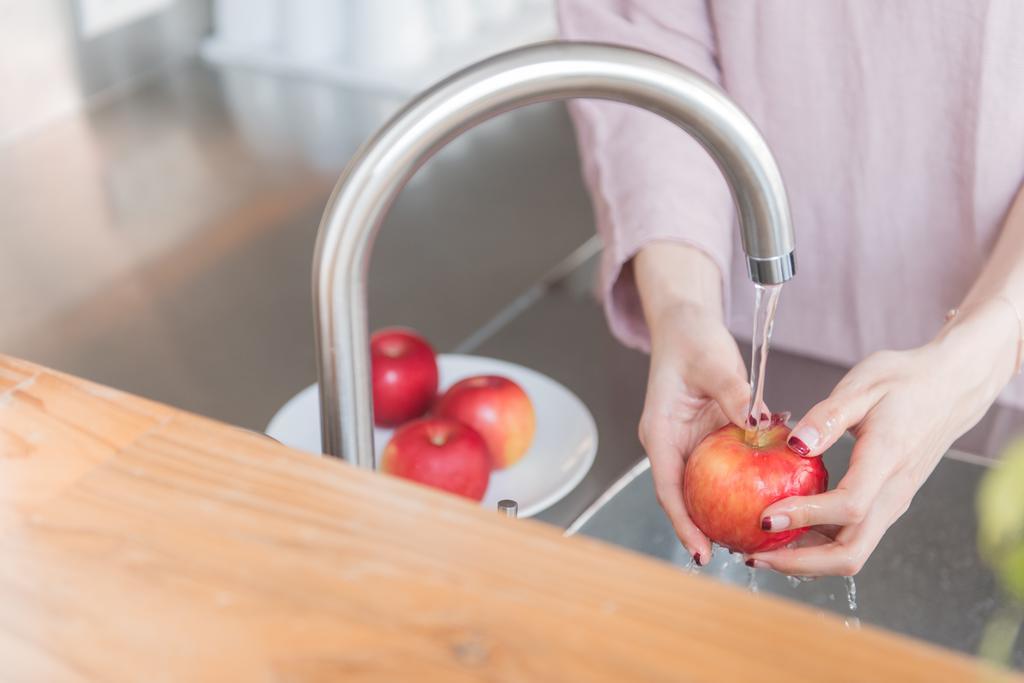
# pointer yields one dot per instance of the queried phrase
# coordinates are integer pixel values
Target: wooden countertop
(139, 542)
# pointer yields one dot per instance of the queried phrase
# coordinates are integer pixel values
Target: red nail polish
(766, 524)
(765, 416)
(751, 421)
(749, 563)
(696, 558)
(798, 446)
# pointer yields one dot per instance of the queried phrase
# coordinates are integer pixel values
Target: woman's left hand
(905, 409)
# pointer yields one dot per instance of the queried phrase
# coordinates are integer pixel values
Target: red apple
(496, 407)
(728, 482)
(404, 376)
(442, 453)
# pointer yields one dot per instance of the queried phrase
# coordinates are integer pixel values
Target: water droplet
(752, 580)
(851, 593)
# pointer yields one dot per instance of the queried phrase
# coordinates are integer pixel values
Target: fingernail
(757, 564)
(803, 440)
(775, 523)
(765, 416)
(751, 421)
(696, 558)
(749, 563)
(798, 446)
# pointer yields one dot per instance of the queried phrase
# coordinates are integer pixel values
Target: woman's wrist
(981, 343)
(674, 279)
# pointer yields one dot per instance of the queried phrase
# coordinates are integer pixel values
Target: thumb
(827, 421)
(726, 387)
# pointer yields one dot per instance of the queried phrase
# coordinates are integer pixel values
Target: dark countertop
(925, 579)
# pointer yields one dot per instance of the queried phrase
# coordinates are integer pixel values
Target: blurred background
(164, 165)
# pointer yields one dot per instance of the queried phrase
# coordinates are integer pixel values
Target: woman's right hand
(696, 382)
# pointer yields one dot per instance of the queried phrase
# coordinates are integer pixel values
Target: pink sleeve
(648, 179)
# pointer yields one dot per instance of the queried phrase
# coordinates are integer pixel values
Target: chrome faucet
(548, 71)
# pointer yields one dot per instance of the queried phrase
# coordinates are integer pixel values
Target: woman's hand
(905, 409)
(696, 382)
(695, 386)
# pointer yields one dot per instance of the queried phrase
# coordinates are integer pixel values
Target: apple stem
(755, 437)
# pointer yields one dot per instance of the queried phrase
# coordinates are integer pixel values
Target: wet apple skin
(728, 483)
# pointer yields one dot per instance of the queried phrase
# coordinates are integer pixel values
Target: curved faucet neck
(536, 73)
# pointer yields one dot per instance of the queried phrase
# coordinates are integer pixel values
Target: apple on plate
(442, 453)
(404, 376)
(498, 409)
(729, 481)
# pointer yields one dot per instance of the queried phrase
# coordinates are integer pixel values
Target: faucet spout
(547, 71)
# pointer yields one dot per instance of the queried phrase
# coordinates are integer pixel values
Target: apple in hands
(442, 453)
(729, 481)
(404, 376)
(498, 409)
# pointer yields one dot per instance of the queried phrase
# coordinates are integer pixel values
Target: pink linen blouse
(899, 130)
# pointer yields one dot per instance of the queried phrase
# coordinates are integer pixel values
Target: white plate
(561, 454)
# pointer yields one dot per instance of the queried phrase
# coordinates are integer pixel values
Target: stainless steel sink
(925, 579)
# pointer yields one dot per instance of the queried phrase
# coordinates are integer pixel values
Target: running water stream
(766, 301)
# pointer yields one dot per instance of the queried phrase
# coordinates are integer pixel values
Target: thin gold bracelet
(954, 312)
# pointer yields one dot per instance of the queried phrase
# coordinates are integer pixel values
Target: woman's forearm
(988, 321)
(1003, 274)
(669, 275)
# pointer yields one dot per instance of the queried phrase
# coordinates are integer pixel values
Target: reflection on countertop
(162, 241)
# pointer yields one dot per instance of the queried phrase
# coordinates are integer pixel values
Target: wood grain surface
(141, 543)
